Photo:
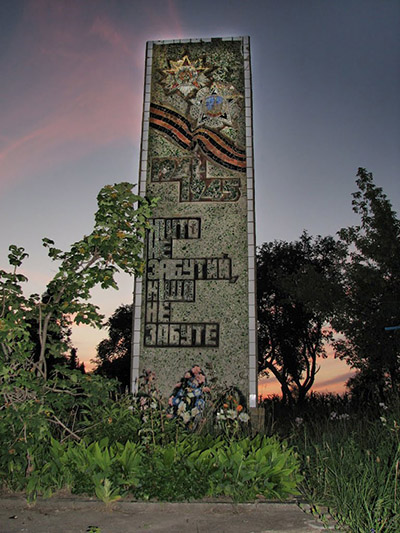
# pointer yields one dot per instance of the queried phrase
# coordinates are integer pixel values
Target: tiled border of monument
(160, 291)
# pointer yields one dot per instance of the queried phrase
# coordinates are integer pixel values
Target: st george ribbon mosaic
(195, 304)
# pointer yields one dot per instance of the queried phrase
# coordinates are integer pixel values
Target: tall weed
(351, 464)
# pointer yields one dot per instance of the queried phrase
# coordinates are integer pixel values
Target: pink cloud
(81, 84)
(88, 88)
(331, 377)
(81, 101)
(109, 33)
(334, 382)
(91, 119)
(176, 19)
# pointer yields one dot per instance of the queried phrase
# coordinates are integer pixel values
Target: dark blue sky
(326, 87)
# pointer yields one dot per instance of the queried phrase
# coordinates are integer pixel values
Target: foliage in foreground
(145, 455)
(115, 245)
(190, 468)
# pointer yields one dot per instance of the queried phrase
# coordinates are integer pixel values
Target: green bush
(189, 469)
(248, 468)
(33, 411)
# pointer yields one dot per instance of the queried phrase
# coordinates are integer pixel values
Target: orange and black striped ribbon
(213, 144)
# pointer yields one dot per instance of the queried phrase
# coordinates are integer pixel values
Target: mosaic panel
(196, 148)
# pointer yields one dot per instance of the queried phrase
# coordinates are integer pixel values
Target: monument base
(257, 419)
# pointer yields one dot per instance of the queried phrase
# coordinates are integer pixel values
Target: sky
(326, 100)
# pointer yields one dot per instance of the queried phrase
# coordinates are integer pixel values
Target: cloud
(74, 81)
(78, 101)
(333, 382)
(109, 33)
(332, 377)
(91, 119)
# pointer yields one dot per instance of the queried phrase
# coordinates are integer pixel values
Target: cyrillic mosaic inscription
(171, 280)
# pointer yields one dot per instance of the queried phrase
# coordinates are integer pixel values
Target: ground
(75, 515)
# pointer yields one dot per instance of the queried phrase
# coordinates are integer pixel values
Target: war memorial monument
(196, 302)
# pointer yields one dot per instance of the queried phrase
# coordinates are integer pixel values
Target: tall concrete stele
(196, 302)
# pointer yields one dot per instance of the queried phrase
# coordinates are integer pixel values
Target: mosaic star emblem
(216, 106)
(185, 76)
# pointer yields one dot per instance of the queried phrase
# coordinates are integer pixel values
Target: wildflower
(244, 417)
(232, 414)
(109, 420)
(298, 420)
(225, 406)
(383, 406)
(344, 416)
(333, 415)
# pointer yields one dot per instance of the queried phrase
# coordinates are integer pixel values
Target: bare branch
(59, 423)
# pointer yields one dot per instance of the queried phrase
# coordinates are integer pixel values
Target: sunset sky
(326, 89)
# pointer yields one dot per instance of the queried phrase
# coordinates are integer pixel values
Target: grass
(350, 458)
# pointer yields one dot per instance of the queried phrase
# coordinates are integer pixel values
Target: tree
(114, 245)
(299, 287)
(58, 334)
(114, 354)
(34, 405)
(372, 281)
(73, 361)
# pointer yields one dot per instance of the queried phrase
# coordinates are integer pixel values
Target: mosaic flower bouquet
(188, 398)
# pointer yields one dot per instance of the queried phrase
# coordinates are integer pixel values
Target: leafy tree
(114, 245)
(59, 334)
(73, 361)
(299, 287)
(114, 354)
(35, 406)
(372, 281)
